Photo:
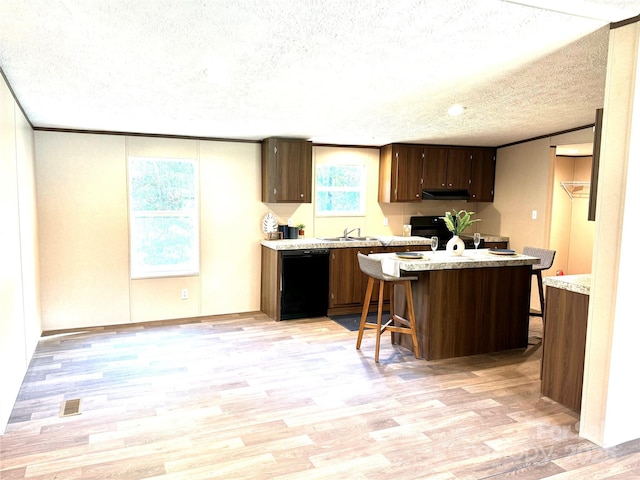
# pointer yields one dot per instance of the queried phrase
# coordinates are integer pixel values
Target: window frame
(138, 270)
(362, 211)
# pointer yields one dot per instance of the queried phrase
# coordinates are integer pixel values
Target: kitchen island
(466, 305)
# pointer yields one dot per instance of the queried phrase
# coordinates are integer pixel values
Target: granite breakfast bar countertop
(393, 263)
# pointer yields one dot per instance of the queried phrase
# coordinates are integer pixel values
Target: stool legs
(538, 275)
(412, 317)
(380, 328)
(365, 311)
(396, 323)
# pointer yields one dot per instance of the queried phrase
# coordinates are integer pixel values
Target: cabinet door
(293, 172)
(286, 171)
(344, 277)
(483, 171)
(408, 173)
(347, 283)
(458, 169)
(434, 172)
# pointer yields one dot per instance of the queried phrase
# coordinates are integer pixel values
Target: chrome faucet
(346, 232)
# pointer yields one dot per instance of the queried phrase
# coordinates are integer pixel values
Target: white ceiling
(361, 72)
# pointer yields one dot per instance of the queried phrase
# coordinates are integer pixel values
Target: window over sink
(341, 190)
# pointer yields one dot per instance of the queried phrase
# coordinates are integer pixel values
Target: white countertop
(573, 283)
(304, 243)
(392, 264)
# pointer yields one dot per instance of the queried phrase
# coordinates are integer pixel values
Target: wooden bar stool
(546, 260)
(396, 324)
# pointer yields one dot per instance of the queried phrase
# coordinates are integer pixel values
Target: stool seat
(396, 324)
(546, 260)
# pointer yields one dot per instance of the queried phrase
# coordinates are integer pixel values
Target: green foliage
(459, 221)
(163, 213)
(340, 189)
(161, 184)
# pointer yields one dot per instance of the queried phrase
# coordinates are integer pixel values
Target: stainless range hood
(445, 195)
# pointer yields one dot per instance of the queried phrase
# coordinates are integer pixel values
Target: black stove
(434, 226)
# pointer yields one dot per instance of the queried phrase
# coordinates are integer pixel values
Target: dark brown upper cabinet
(435, 168)
(286, 170)
(408, 169)
(483, 173)
(446, 168)
(400, 177)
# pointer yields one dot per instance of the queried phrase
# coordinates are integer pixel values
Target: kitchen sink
(338, 239)
(349, 239)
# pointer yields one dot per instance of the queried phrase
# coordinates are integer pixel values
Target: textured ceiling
(366, 72)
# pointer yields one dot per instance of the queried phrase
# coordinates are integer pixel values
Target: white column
(611, 391)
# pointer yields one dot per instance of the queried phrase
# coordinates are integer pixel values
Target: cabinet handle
(451, 184)
(302, 195)
(443, 185)
(275, 191)
(417, 195)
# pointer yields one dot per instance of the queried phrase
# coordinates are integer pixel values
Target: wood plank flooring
(244, 397)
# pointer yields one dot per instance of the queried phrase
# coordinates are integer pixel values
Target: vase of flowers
(457, 223)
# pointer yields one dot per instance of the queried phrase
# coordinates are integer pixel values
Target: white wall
(19, 295)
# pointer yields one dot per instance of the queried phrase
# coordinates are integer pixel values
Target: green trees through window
(340, 190)
(163, 213)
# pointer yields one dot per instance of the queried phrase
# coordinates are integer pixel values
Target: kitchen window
(341, 190)
(163, 217)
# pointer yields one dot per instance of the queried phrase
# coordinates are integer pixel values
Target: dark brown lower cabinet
(563, 346)
(347, 283)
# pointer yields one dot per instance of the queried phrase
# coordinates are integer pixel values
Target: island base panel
(470, 311)
(563, 347)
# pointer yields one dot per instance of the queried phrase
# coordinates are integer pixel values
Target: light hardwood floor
(242, 396)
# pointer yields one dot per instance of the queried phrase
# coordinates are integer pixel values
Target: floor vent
(70, 407)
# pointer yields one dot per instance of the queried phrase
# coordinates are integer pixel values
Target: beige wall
(82, 202)
(571, 234)
(19, 293)
(523, 175)
(82, 214)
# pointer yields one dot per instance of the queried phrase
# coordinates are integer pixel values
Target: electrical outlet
(385, 222)
(290, 223)
(185, 293)
(534, 215)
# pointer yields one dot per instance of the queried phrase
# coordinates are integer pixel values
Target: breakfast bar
(465, 305)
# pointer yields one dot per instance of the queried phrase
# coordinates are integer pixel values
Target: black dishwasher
(304, 284)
